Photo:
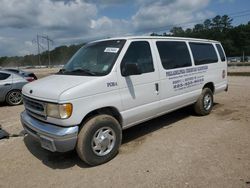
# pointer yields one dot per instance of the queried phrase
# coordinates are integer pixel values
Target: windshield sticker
(185, 78)
(111, 50)
(105, 67)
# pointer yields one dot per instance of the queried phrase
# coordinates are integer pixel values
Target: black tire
(14, 97)
(204, 104)
(86, 144)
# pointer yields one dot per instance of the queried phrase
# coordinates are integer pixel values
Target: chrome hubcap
(15, 97)
(103, 141)
(207, 102)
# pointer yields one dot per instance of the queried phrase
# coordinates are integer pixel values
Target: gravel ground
(239, 69)
(175, 150)
(42, 72)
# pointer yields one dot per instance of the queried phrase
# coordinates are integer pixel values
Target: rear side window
(139, 52)
(4, 76)
(222, 55)
(173, 54)
(203, 53)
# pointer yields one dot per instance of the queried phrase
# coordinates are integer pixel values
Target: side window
(174, 54)
(203, 53)
(139, 52)
(222, 55)
(4, 76)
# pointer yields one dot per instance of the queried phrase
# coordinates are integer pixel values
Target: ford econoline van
(110, 85)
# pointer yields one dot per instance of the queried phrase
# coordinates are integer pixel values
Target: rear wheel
(14, 97)
(204, 104)
(99, 140)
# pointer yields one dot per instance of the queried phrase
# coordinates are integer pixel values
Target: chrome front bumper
(51, 137)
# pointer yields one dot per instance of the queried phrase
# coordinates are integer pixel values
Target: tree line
(59, 56)
(235, 40)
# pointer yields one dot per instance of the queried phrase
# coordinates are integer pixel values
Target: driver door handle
(157, 88)
(7, 84)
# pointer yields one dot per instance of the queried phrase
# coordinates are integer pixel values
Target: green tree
(207, 24)
(198, 28)
(235, 40)
(177, 31)
(188, 32)
(216, 22)
(226, 22)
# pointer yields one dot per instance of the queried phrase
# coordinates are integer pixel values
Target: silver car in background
(11, 85)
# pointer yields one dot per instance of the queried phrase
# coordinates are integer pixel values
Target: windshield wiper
(61, 71)
(86, 71)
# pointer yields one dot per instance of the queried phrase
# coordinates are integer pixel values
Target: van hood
(50, 88)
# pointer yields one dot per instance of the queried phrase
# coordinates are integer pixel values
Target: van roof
(159, 37)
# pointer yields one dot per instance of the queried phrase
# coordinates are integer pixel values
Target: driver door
(139, 93)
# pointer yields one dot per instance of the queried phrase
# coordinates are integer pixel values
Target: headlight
(60, 111)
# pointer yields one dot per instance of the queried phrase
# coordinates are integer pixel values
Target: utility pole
(48, 43)
(38, 49)
(243, 56)
(39, 46)
(48, 49)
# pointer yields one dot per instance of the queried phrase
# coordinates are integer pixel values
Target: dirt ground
(239, 69)
(42, 72)
(175, 150)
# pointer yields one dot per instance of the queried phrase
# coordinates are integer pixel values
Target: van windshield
(95, 59)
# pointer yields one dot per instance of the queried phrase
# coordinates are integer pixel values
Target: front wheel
(204, 104)
(14, 97)
(99, 140)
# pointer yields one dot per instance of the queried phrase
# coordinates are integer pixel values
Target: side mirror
(130, 69)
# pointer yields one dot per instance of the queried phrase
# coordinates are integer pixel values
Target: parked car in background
(29, 76)
(11, 86)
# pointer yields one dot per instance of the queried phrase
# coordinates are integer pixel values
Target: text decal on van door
(112, 84)
(185, 78)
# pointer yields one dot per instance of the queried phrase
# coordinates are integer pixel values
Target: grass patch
(238, 73)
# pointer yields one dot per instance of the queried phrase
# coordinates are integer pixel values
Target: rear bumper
(51, 137)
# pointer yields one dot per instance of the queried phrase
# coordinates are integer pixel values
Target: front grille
(35, 108)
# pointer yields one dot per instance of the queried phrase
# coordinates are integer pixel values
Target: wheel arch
(209, 85)
(109, 110)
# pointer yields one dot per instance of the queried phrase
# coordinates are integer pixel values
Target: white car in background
(29, 76)
(11, 85)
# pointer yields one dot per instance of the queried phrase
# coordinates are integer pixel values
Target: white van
(110, 85)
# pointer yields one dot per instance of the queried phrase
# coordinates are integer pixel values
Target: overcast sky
(76, 21)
